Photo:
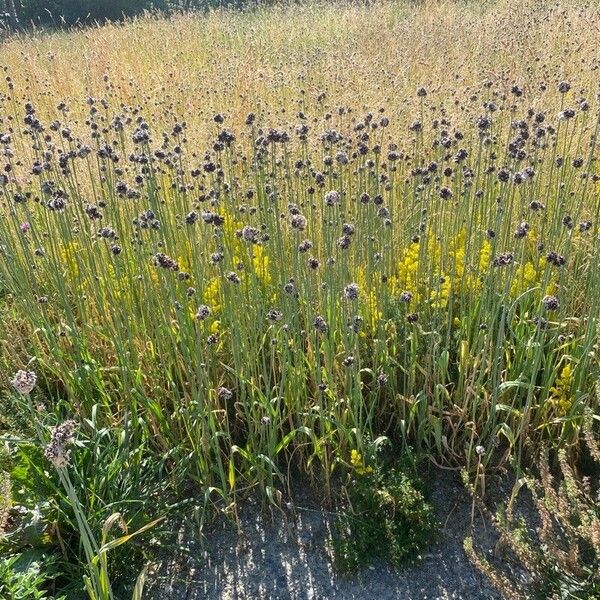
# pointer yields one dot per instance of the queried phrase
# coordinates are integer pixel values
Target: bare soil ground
(287, 556)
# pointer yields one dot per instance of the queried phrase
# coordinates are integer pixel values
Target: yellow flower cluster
(68, 254)
(405, 278)
(230, 226)
(260, 263)
(184, 263)
(357, 461)
(474, 281)
(408, 267)
(525, 277)
(368, 299)
(529, 275)
(561, 397)
(457, 253)
(212, 296)
(485, 256)
(455, 273)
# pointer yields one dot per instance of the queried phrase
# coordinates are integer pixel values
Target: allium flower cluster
(165, 262)
(320, 324)
(503, 260)
(203, 312)
(550, 303)
(351, 291)
(225, 393)
(56, 451)
(332, 197)
(24, 381)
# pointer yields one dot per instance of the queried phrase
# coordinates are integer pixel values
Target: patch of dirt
(287, 556)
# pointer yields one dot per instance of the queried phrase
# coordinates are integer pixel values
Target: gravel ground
(287, 556)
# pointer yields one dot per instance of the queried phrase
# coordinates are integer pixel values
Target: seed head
(305, 246)
(165, 262)
(522, 230)
(56, 451)
(564, 87)
(203, 312)
(344, 242)
(550, 303)
(250, 234)
(320, 324)
(356, 323)
(24, 382)
(332, 197)
(225, 393)
(503, 260)
(351, 291)
(298, 222)
(313, 263)
(556, 259)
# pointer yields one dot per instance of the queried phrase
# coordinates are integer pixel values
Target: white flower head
(24, 381)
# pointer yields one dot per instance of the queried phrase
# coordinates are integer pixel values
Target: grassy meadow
(243, 249)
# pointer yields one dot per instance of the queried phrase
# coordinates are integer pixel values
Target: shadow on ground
(288, 557)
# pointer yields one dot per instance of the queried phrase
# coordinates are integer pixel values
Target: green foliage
(387, 517)
(106, 473)
(200, 350)
(562, 558)
(27, 576)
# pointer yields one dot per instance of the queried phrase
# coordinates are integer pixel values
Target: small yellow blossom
(212, 294)
(357, 461)
(260, 263)
(561, 397)
(525, 277)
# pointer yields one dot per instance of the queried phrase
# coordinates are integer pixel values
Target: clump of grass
(385, 516)
(27, 578)
(562, 558)
(49, 516)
